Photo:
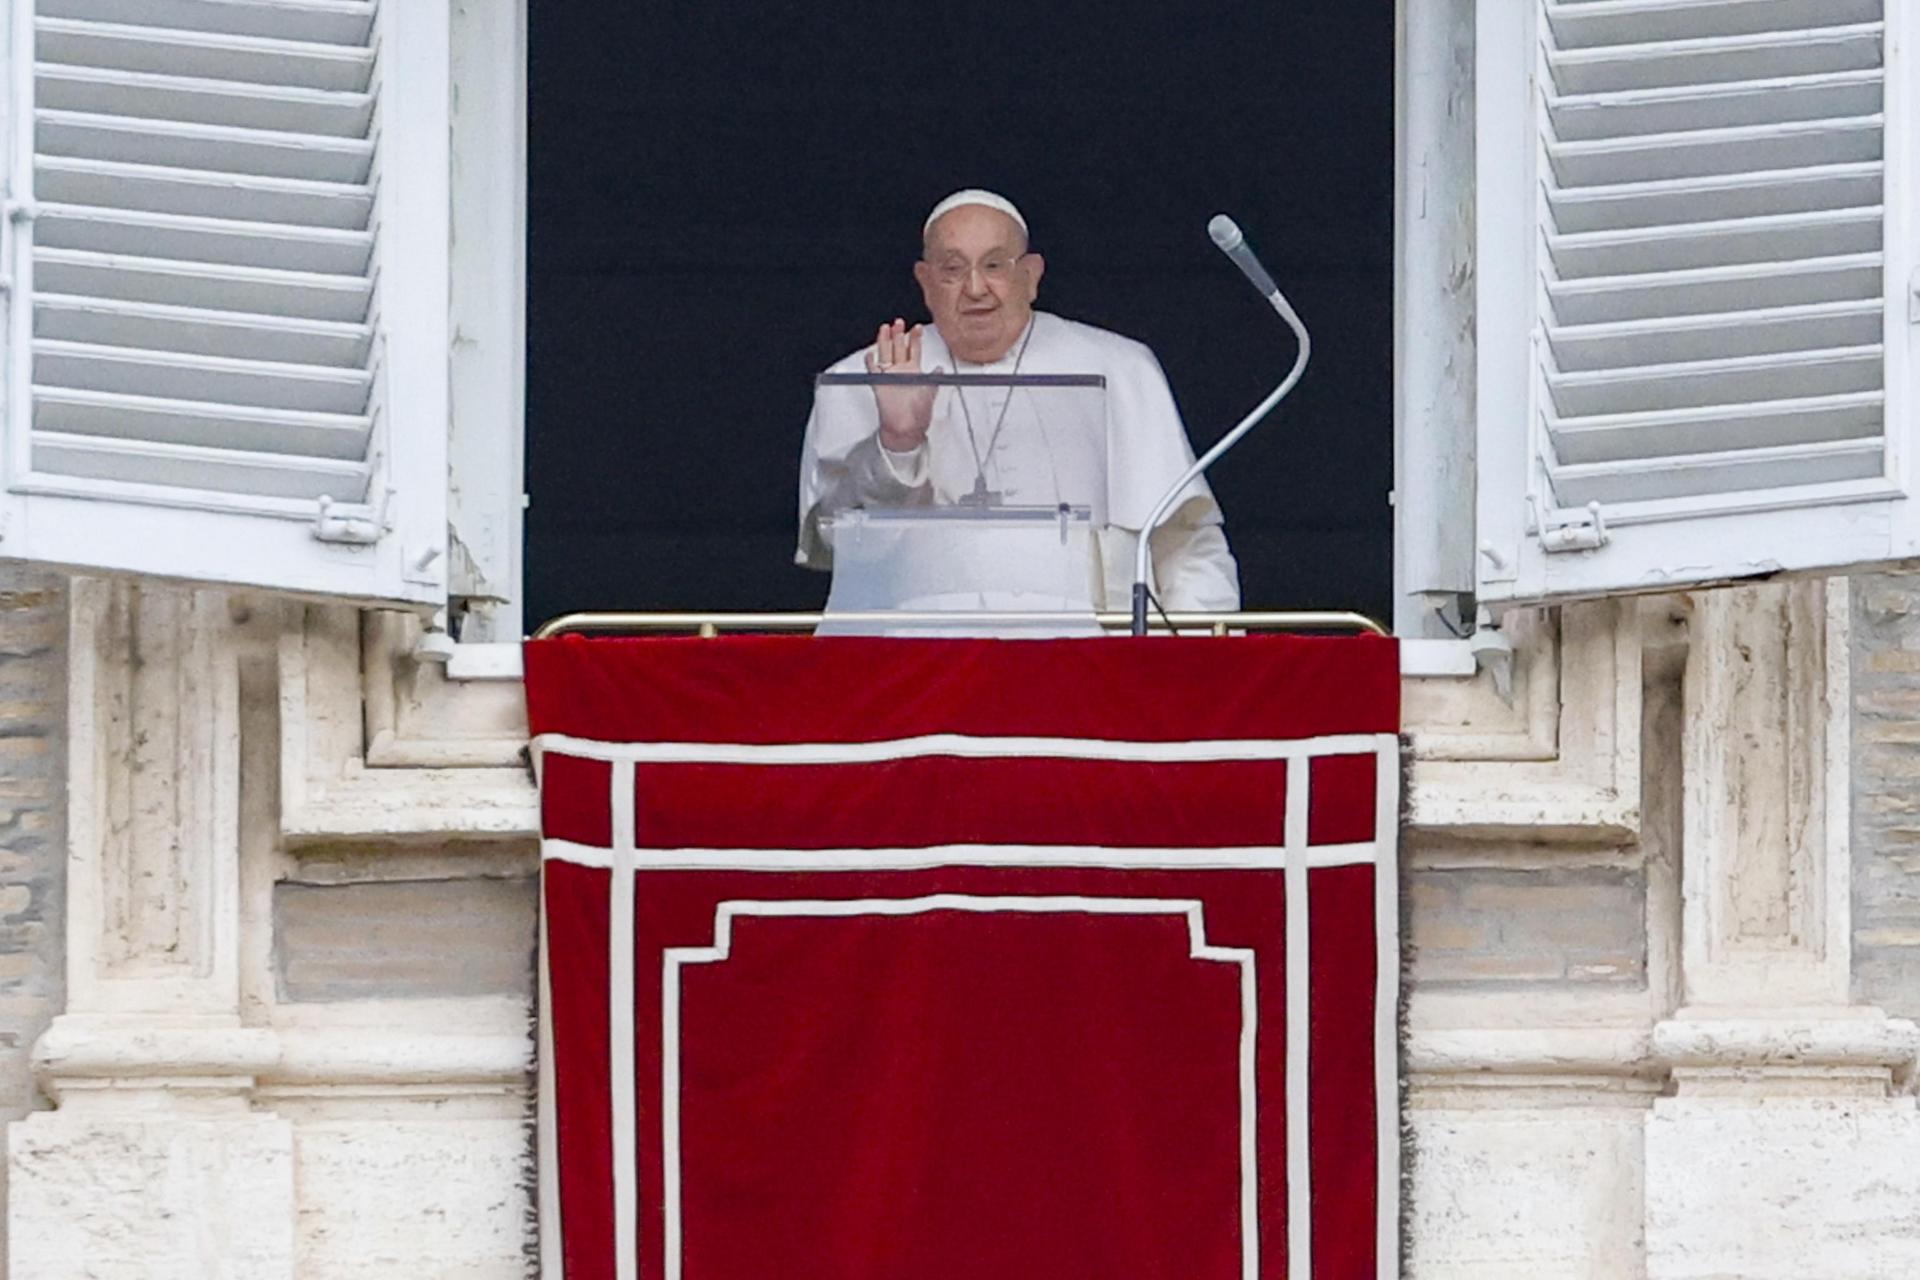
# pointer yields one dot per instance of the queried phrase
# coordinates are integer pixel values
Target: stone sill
(380, 745)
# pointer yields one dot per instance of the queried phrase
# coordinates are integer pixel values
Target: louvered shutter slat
(156, 189)
(1788, 237)
(197, 331)
(254, 428)
(331, 21)
(1717, 197)
(1713, 474)
(190, 100)
(137, 278)
(172, 375)
(207, 55)
(1705, 152)
(1716, 428)
(1699, 383)
(200, 146)
(1586, 23)
(1600, 299)
(221, 469)
(204, 245)
(325, 250)
(1770, 331)
(1733, 105)
(1715, 59)
(1713, 180)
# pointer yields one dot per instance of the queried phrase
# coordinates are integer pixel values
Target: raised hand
(905, 411)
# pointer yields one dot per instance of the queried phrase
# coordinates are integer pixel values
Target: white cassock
(1147, 450)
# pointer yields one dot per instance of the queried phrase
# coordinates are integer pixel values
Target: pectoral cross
(980, 495)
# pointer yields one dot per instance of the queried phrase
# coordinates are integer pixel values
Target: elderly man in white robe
(980, 279)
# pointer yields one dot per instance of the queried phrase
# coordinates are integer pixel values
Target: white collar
(1005, 362)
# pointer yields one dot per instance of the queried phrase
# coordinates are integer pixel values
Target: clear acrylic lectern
(987, 528)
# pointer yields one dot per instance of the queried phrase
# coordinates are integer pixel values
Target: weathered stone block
(404, 938)
(33, 690)
(1886, 792)
(395, 1196)
(1574, 924)
(169, 1198)
(1788, 1189)
(1507, 1192)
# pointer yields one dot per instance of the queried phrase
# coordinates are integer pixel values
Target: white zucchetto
(974, 195)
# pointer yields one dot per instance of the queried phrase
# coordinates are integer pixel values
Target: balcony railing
(714, 624)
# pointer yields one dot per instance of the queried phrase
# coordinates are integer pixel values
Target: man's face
(979, 281)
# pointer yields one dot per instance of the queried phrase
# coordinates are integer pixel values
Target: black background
(724, 198)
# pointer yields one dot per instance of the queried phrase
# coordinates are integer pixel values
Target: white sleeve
(1193, 568)
(906, 470)
(869, 475)
(843, 465)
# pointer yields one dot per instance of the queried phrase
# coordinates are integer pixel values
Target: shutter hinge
(330, 525)
(1581, 530)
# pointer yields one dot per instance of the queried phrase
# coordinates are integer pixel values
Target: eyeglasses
(998, 268)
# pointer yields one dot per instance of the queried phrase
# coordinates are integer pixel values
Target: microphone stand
(1222, 229)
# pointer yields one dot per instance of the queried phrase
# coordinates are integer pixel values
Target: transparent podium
(988, 528)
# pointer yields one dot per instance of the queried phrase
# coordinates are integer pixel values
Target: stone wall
(1886, 792)
(32, 836)
(1590, 1045)
(1493, 929)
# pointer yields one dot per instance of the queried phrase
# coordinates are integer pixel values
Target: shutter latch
(352, 525)
(1584, 529)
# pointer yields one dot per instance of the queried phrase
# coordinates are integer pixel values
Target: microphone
(1227, 235)
(1232, 241)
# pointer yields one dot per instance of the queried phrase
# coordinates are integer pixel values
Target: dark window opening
(724, 198)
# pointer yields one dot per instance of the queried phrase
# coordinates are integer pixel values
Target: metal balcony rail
(714, 624)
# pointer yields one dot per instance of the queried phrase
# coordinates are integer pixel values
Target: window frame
(486, 448)
(482, 435)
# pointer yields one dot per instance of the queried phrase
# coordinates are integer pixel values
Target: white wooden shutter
(227, 334)
(1694, 251)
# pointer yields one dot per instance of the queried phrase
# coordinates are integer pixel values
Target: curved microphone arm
(1142, 550)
